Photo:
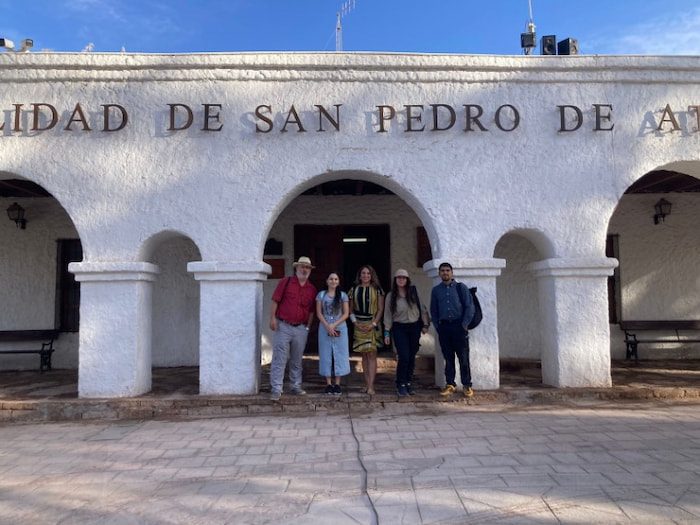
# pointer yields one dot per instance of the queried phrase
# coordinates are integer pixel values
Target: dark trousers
(454, 341)
(406, 337)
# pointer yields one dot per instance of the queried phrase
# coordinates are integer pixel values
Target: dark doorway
(367, 244)
(343, 249)
(67, 288)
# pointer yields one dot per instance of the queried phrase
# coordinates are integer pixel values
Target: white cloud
(133, 25)
(97, 8)
(673, 34)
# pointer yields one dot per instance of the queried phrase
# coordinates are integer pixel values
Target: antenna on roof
(345, 9)
(528, 39)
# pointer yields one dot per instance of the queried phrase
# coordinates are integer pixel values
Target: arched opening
(519, 316)
(37, 293)
(175, 313)
(655, 292)
(342, 222)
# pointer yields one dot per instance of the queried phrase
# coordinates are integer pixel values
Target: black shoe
(329, 389)
(337, 390)
(402, 391)
(410, 390)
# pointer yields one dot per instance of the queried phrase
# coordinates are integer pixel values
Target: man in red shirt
(291, 314)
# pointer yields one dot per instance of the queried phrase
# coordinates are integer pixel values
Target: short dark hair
(444, 265)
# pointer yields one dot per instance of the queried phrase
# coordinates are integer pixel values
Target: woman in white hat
(404, 320)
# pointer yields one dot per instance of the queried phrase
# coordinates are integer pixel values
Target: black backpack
(478, 314)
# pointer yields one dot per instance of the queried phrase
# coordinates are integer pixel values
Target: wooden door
(328, 253)
(374, 250)
(335, 248)
(324, 246)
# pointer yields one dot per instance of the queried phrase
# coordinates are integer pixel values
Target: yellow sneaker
(447, 391)
(468, 392)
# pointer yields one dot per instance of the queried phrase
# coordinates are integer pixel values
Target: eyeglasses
(401, 277)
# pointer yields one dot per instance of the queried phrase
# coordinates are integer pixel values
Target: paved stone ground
(184, 381)
(453, 463)
(32, 397)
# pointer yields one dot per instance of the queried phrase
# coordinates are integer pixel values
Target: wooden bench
(667, 332)
(45, 337)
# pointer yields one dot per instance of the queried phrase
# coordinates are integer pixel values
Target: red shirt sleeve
(312, 304)
(277, 294)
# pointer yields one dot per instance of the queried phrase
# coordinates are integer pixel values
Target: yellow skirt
(369, 341)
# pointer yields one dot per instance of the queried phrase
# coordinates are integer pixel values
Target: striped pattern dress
(365, 303)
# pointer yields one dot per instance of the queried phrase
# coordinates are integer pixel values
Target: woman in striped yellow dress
(367, 301)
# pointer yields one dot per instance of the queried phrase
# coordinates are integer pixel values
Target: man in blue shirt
(452, 309)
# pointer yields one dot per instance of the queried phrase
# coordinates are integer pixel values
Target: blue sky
(664, 27)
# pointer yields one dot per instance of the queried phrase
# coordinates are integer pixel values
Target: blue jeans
(454, 341)
(406, 337)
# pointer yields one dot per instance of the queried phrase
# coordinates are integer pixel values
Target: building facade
(177, 190)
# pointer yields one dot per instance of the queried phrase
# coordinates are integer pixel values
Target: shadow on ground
(183, 381)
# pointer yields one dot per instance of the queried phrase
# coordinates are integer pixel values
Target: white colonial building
(177, 190)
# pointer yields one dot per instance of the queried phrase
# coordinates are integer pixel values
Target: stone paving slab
(399, 464)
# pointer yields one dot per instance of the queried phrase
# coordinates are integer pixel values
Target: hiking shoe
(447, 391)
(402, 391)
(337, 390)
(411, 392)
(275, 396)
(468, 392)
(298, 392)
(329, 389)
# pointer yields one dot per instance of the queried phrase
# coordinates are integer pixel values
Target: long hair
(374, 279)
(337, 304)
(410, 292)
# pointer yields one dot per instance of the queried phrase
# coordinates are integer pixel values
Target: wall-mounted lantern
(16, 213)
(661, 209)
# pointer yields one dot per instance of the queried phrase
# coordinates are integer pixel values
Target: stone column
(230, 325)
(115, 327)
(483, 340)
(573, 297)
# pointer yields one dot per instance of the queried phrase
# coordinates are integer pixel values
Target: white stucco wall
(660, 263)
(28, 263)
(659, 266)
(518, 304)
(28, 260)
(175, 304)
(201, 177)
(225, 190)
